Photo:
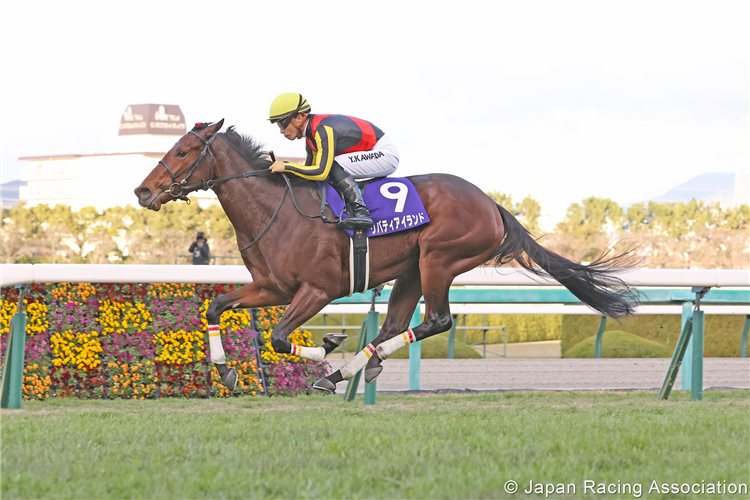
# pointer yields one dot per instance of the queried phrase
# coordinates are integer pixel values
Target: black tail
(595, 284)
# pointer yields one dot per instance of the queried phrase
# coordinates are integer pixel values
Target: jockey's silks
(328, 136)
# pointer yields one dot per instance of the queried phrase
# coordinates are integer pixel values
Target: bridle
(179, 190)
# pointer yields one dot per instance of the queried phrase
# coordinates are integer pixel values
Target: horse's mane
(253, 153)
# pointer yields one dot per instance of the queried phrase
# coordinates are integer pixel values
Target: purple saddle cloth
(393, 202)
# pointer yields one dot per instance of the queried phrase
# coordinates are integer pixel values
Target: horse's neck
(249, 203)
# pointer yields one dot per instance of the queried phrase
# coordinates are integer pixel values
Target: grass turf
(619, 344)
(436, 446)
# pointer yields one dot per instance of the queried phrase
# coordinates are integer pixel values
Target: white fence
(17, 274)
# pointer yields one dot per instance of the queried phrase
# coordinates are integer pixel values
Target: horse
(301, 262)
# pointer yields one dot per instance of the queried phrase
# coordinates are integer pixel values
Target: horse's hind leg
(404, 298)
(447, 250)
(436, 285)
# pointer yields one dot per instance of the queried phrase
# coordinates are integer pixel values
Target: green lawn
(436, 446)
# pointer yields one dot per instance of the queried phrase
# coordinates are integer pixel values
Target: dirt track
(552, 374)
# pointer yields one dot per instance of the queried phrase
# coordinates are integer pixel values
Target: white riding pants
(380, 161)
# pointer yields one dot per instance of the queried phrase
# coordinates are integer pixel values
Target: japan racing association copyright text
(654, 487)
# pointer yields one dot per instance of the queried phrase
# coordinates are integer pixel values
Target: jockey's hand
(278, 166)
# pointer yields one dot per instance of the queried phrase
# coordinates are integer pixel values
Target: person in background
(200, 251)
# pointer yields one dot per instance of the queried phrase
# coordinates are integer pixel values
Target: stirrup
(356, 223)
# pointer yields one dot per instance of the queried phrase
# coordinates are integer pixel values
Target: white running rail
(18, 274)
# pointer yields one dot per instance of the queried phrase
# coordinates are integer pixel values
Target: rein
(179, 190)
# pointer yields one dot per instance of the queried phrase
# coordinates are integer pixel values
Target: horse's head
(189, 159)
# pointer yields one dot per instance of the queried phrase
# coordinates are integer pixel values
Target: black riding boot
(347, 187)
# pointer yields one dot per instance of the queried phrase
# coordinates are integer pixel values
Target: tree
(527, 212)
(13, 245)
(589, 229)
(220, 234)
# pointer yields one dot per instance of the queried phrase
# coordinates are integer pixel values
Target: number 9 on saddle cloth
(395, 206)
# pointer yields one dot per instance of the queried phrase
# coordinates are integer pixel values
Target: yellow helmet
(286, 106)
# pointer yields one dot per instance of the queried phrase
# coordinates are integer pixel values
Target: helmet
(286, 106)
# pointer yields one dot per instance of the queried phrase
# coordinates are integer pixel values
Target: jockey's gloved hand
(278, 166)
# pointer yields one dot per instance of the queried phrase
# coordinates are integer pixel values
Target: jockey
(339, 149)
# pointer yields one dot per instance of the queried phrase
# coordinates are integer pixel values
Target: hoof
(325, 385)
(332, 340)
(372, 373)
(335, 338)
(230, 379)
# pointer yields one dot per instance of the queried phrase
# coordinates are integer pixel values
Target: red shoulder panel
(368, 136)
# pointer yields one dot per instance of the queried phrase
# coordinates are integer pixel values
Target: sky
(556, 100)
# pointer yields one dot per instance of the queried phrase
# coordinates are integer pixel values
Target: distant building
(104, 180)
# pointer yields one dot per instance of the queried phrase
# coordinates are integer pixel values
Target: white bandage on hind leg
(392, 345)
(214, 345)
(312, 353)
(357, 362)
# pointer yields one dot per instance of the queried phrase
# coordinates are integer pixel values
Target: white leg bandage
(317, 354)
(357, 363)
(214, 345)
(392, 345)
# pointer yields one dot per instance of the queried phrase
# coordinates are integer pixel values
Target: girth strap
(359, 263)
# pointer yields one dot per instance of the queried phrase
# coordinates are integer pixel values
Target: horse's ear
(214, 128)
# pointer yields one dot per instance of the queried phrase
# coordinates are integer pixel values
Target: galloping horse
(304, 263)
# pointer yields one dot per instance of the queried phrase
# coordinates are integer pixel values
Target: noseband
(179, 190)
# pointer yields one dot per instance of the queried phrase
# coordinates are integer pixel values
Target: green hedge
(521, 327)
(619, 344)
(721, 337)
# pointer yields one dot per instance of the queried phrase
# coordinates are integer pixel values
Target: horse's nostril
(143, 192)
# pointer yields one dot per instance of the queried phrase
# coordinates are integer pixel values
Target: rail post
(743, 343)
(369, 331)
(687, 362)
(11, 392)
(599, 336)
(415, 353)
(696, 386)
(373, 318)
(261, 368)
(693, 327)
(353, 384)
(505, 342)
(452, 336)
(674, 365)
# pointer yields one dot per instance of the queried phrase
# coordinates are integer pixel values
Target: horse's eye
(182, 154)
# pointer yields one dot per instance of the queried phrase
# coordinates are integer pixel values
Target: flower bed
(146, 341)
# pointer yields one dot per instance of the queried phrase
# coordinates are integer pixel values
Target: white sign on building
(104, 180)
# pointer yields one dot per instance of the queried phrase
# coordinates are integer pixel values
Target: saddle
(395, 206)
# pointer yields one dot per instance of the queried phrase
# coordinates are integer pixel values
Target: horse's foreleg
(307, 302)
(404, 298)
(248, 296)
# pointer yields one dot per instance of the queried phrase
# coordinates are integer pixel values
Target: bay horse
(301, 262)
